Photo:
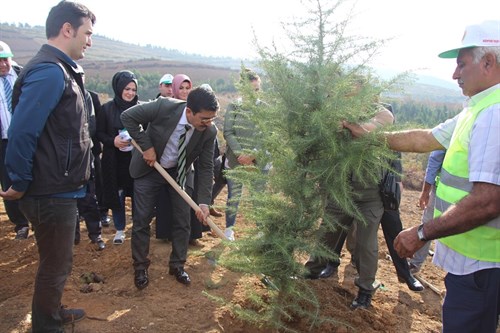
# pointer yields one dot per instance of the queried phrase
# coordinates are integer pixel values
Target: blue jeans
(53, 220)
(119, 219)
(472, 302)
(234, 189)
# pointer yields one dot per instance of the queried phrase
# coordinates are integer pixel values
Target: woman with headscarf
(181, 86)
(117, 148)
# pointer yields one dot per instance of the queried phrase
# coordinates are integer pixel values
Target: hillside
(25, 40)
(108, 56)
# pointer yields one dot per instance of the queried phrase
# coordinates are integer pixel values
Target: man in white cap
(165, 86)
(466, 223)
(8, 75)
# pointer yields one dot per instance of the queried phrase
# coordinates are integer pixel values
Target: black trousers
(99, 185)
(197, 228)
(146, 190)
(89, 210)
(392, 226)
(164, 212)
(11, 206)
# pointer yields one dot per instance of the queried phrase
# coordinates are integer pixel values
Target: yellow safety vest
(483, 242)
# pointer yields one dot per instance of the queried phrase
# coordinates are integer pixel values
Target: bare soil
(167, 306)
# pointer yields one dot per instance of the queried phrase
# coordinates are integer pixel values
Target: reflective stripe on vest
(483, 242)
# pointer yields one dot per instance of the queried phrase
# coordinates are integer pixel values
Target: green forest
(423, 114)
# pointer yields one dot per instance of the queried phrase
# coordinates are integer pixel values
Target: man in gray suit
(170, 122)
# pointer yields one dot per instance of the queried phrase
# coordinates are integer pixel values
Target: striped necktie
(181, 160)
(8, 93)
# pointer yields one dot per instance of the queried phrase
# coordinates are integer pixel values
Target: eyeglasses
(207, 120)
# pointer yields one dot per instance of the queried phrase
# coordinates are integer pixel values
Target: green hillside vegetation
(423, 113)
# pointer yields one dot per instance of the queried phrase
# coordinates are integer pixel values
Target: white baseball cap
(166, 79)
(5, 51)
(206, 86)
(484, 34)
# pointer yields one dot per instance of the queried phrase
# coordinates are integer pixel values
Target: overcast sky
(421, 29)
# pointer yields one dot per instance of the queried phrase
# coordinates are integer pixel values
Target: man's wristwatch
(420, 233)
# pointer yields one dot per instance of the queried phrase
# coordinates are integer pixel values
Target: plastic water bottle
(123, 134)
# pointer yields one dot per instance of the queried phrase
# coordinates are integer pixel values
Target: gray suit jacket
(162, 116)
(238, 131)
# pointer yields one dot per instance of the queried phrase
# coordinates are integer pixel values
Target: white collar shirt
(170, 153)
(5, 115)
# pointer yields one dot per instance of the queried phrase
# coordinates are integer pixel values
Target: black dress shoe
(180, 275)
(215, 212)
(328, 271)
(325, 273)
(100, 244)
(412, 283)
(105, 221)
(141, 279)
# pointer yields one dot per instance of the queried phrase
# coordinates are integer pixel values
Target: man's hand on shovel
(203, 213)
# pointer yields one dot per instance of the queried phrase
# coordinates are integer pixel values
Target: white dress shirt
(170, 153)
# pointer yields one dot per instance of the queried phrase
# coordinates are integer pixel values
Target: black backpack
(17, 68)
(390, 191)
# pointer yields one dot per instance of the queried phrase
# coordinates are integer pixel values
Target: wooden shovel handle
(182, 193)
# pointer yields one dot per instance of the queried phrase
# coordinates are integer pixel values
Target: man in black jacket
(48, 155)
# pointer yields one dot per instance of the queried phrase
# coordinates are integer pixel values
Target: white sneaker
(119, 237)
(229, 233)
